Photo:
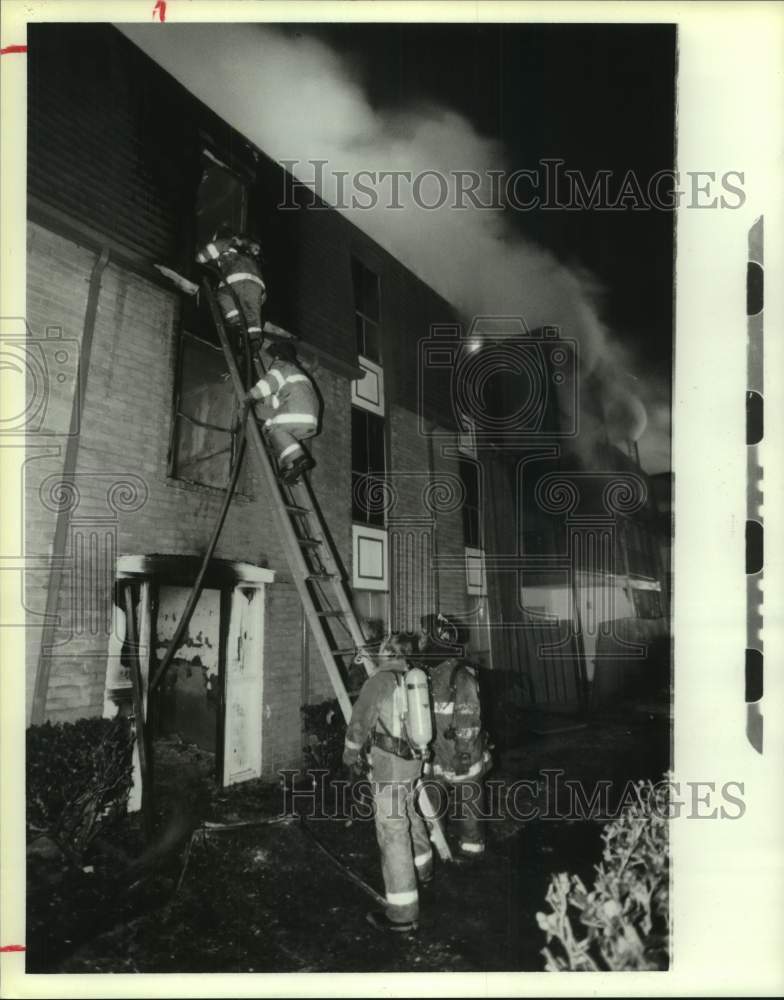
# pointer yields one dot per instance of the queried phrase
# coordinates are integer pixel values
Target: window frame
(365, 532)
(177, 414)
(190, 327)
(381, 518)
(357, 262)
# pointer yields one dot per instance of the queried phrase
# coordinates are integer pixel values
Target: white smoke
(298, 101)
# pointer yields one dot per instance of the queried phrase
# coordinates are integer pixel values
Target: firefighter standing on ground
(381, 716)
(289, 406)
(460, 755)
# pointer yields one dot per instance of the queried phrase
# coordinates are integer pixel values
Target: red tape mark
(160, 9)
(13, 947)
(12, 48)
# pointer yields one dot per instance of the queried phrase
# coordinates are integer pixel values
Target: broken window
(222, 200)
(203, 443)
(366, 311)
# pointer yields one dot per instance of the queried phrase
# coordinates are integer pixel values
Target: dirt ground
(266, 899)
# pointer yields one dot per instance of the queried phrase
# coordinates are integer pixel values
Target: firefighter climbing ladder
(314, 566)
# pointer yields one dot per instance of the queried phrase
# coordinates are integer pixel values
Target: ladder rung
(330, 614)
(320, 576)
(294, 508)
(310, 543)
(345, 651)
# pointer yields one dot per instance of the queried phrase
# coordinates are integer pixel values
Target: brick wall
(426, 522)
(128, 504)
(137, 192)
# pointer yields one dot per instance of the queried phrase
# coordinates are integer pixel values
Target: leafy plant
(626, 913)
(78, 779)
(325, 731)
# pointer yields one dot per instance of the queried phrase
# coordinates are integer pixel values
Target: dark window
(536, 542)
(203, 444)
(472, 516)
(221, 201)
(202, 441)
(368, 466)
(366, 311)
(639, 549)
(647, 603)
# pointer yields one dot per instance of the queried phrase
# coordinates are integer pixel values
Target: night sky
(599, 97)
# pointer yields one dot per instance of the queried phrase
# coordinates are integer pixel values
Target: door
(244, 683)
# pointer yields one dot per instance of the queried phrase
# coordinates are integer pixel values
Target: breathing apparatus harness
(412, 705)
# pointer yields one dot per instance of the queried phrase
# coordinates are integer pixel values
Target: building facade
(130, 440)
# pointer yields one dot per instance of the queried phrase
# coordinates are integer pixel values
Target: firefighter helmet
(282, 350)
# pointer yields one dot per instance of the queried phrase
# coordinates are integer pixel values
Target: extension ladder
(315, 567)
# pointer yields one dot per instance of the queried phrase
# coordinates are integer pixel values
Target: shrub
(78, 779)
(325, 731)
(626, 914)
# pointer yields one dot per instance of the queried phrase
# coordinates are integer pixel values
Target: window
(476, 580)
(466, 437)
(639, 549)
(368, 391)
(370, 558)
(368, 467)
(477, 626)
(366, 311)
(222, 200)
(372, 609)
(472, 517)
(370, 562)
(203, 444)
(647, 603)
(536, 543)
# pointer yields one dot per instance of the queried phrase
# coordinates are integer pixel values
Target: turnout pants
(406, 854)
(466, 801)
(251, 296)
(285, 440)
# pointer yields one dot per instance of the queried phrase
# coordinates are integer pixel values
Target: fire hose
(195, 593)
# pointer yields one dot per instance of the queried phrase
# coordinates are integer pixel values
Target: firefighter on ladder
(287, 402)
(396, 723)
(237, 261)
(460, 754)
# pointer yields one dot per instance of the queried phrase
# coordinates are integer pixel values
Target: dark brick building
(126, 171)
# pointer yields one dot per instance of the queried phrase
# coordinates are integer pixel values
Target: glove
(353, 772)
(264, 412)
(355, 764)
(462, 763)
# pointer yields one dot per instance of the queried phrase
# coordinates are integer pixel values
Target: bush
(78, 779)
(626, 914)
(325, 733)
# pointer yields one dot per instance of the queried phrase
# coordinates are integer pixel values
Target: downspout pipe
(44, 668)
